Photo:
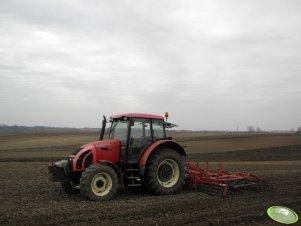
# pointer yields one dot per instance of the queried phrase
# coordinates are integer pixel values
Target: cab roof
(137, 115)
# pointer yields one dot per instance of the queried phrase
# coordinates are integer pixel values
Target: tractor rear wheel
(99, 182)
(69, 187)
(164, 173)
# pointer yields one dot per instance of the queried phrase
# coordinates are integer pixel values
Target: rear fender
(156, 146)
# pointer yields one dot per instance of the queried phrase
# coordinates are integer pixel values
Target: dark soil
(292, 152)
(28, 198)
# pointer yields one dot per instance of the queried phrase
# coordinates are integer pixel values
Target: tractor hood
(102, 150)
(102, 145)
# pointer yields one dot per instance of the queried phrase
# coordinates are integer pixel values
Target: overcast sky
(215, 65)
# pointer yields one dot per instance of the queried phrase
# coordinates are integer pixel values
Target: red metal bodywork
(143, 159)
(108, 150)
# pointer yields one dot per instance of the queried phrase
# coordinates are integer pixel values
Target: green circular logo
(282, 214)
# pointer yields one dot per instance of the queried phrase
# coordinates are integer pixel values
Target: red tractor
(137, 152)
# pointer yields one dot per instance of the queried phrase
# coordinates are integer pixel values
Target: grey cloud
(213, 65)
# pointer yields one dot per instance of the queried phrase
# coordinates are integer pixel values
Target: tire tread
(150, 181)
(85, 186)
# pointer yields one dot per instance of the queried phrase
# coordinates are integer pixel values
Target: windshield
(119, 131)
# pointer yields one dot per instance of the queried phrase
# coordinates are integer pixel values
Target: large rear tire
(164, 173)
(99, 182)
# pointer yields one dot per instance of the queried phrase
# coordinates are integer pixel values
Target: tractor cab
(136, 132)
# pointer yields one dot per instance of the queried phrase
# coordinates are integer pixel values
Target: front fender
(114, 167)
(80, 158)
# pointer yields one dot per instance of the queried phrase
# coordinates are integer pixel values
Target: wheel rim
(101, 184)
(168, 173)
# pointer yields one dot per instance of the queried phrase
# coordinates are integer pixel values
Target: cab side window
(140, 129)
(158, 130)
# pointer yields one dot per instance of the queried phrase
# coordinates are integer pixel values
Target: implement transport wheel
(69, 187)
(164, 173)
(99, 182)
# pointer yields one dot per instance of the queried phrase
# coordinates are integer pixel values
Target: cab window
(158, 130)
(119, 131)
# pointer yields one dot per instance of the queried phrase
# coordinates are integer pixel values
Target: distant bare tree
(299, 129)
(258, 129)
(251, 129)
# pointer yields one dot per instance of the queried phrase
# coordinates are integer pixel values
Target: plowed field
(28, 198)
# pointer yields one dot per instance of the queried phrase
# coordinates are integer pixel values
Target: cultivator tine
(212, 189)
(253, 186)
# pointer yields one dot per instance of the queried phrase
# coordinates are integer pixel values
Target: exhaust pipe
(103, 128)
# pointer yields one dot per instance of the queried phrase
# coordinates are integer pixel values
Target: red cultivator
(221, 182)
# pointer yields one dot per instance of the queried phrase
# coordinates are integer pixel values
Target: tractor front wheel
(99, 182)
(164, 173)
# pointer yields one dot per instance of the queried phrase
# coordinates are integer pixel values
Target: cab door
(140, 138)
(120, 130)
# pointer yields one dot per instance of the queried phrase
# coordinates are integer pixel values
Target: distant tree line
(253, 129)
(15, 129)
(10, 130)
